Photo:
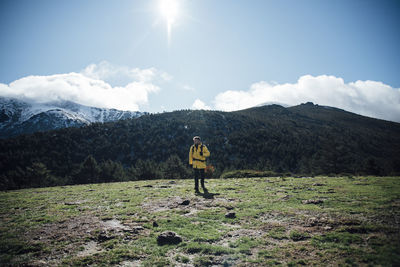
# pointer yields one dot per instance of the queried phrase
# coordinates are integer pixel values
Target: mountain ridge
(306, 139)
(22, 117)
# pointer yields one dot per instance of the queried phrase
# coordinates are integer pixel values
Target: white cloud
(188, 88)
(369, 98)
(198, 104)
(122, 75)
(82, 89)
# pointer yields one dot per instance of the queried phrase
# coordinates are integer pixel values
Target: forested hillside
(307, 139)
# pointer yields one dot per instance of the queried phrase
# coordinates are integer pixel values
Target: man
(197, 158)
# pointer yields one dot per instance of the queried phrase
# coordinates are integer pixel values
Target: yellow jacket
(195, 159)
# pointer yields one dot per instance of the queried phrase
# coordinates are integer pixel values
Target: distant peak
(273, 103)
(308, 104)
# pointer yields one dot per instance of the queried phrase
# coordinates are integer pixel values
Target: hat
(196, 137)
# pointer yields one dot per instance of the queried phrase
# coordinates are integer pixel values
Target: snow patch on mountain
(20, 117)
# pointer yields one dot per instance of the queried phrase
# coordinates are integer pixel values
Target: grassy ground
(320, 221)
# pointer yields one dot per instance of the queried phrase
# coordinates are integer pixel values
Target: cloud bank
(368, 98)
(111, 86)
(198, 104)
(120, 75)
(91, 87)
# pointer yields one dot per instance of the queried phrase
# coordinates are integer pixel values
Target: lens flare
(169, 10)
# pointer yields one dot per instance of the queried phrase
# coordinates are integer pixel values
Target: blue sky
(222, 54)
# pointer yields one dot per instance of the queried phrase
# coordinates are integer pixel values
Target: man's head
(197, 140)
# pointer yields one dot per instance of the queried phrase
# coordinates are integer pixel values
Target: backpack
(201, 149)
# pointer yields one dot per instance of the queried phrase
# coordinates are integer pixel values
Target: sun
(169, 9)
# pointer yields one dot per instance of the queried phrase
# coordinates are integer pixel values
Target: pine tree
(174, 168)
(89, 171)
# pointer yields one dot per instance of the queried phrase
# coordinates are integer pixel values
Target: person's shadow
(207, 194)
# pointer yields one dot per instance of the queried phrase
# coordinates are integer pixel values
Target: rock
(167, 238)
(155, 224)
(185, 202)
(230, 215)
(134, 229)
(312, 201)
(38, 263)
(138, 228)
(286, 197)
(104, 236)
(312, 221)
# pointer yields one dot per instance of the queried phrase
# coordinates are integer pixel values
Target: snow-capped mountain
(21, 117)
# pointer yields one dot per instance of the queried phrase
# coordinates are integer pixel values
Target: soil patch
(191, 206)
(70, 237)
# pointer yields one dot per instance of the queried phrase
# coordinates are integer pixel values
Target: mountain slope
(306, 139)
(238, 222)
(19, 117)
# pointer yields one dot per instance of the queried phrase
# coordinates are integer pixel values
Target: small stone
(185, 202)
(230, 215)
(134, 229)
(167, 238)
(104, 236)
(72, 203)
(312, 221)
(38, 263)
(312, 201)
(286, 197)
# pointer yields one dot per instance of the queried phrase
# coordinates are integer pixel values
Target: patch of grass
(248, 173)
(203, 230)
(278, 233)
(156, 261)
(12, 247)
(205, 248)
(203, 261)
(245, 244)
(340, 238)
(355, 224)
(182, 259)
(265, 254)
(109, 257)
(297, 235)
(297, 263)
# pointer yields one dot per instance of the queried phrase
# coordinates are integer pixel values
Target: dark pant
(198, 173)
